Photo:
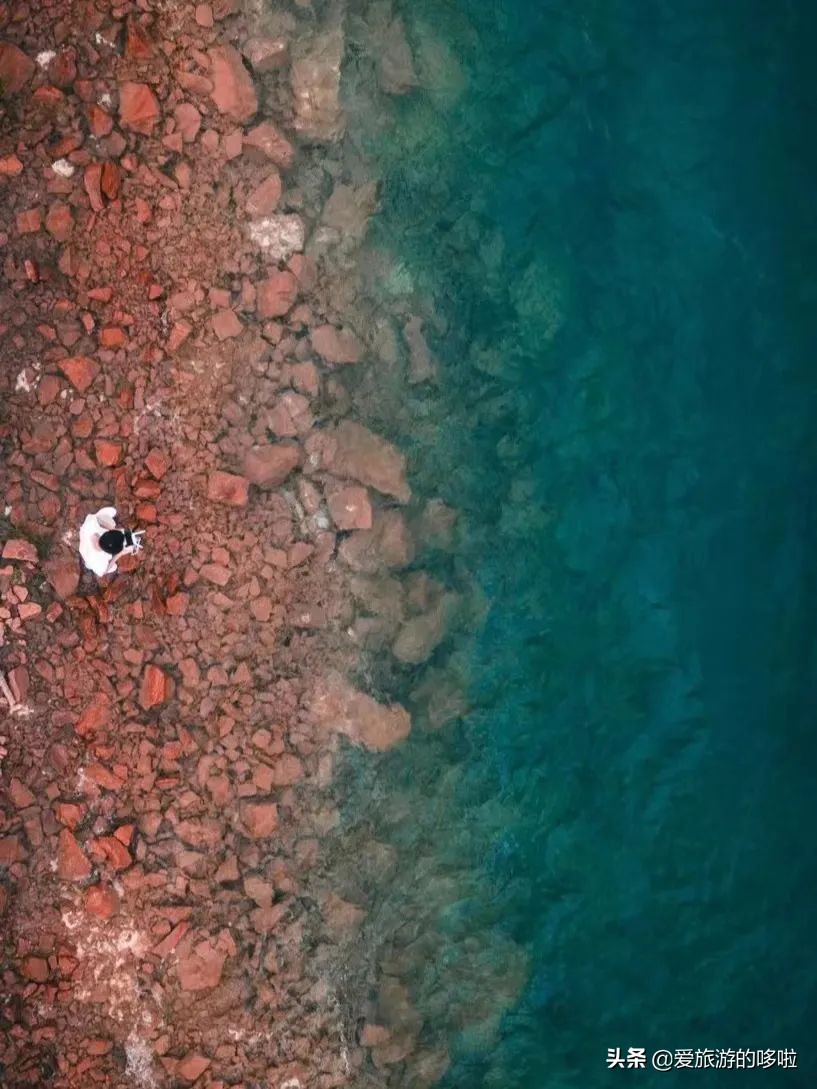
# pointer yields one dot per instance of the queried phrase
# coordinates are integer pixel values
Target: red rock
(265, 197)
(99, 1047)
(204, 833)
(63, 575)
(102, 901)
(260, 819)
(226, 324)
(276, 295)
(28, 610)
(138, 107)
(138, 46)
(228, 488)
(29, 222)
(188, 121)
(111, 180)
(168, 944)
(271, 143)
(336, 345)
(192, 1066)
(287, 770)
(72, 865)
(350, 508)
(107, 453)
(79, 370)
(92, 180)
(20, 795)
(10, 166)
(204, 16)
(99, 120)
(11, 850)
(215, 573)
(337, 706)
(155, 687)
(351, 450)
(233, 91)
(16, 69)
(62, 70)
(96, 716)
(200, 968)
(269, 466)
(112, 336)
(157, 463)
(178, 335)
(35, 969)
(59, 222)
(18, 549)
(114, 852)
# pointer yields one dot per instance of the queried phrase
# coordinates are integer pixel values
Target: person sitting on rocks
(101, 543)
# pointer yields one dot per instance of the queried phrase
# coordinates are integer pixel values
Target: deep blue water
(610, 205)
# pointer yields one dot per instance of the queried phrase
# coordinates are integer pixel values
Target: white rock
(279, 235)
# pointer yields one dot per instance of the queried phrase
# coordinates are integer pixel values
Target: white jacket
(94, 558)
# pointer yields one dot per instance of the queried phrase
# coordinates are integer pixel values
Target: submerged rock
(337, 706)
(351, 450)
(387, 544)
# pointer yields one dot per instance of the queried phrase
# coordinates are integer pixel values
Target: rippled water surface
(610, 205)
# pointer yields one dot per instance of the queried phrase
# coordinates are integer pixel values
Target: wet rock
(16, 69)
(264, 198)
(336, 345)
(315, 78)
(138, 108)
(269, 466)
(19, 549)
(228, 488)
(200, 968)
(260, 819)
(338, 707)
(233, 90)
(351, 450)
(270, 143)
(421, 635)
(80, 371)
(387, 544)
(72, 865)
(350, 508)
(267, 54)
(349, 210)
(102, 901)
(276, 295)
(155, 687)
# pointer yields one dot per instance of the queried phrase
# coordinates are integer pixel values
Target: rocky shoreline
(180, 224)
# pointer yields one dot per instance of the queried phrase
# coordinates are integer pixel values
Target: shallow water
(610, 207)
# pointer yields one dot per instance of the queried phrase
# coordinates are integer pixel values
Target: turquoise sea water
(611, 207)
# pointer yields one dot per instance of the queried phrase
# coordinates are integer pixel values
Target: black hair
(113, 541)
